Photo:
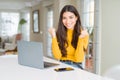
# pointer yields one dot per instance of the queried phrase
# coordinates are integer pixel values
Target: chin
(69, 28)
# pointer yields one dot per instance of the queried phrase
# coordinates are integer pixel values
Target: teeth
(68, 25)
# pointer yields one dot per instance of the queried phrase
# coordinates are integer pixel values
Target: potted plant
(21, 22)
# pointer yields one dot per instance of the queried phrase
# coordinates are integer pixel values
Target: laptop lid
(30, 54)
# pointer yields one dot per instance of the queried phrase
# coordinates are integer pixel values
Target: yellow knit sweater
(75, 55)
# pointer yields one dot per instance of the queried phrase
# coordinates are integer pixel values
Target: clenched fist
(52, 32)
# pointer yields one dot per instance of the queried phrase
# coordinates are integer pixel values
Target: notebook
(31, 54)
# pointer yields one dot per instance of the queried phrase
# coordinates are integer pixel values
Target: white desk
(11, 70)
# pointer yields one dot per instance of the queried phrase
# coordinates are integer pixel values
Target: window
(8, 23)
(88, 15)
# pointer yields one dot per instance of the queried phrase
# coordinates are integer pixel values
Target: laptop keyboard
(48, 64)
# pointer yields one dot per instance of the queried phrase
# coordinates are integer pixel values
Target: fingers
(83, 33)
(52, 32)
(84, 29)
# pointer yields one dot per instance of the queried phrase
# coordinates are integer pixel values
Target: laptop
(31, 54)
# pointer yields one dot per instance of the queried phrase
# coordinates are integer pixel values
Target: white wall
(110, 23)
(35, 36)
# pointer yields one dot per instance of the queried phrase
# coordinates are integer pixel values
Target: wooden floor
(9, 53)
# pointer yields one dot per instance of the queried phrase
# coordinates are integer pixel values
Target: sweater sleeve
(55, 49)
(79, 52)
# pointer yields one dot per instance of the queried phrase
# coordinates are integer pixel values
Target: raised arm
(82, 44)
(55, 48)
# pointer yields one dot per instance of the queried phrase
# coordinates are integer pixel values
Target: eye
(64, 17)
(71, 17)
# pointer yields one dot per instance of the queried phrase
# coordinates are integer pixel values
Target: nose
(67, 21)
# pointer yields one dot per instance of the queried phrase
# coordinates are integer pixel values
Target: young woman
(70, 40)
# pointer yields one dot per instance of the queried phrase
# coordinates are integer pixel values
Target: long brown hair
(62, 30)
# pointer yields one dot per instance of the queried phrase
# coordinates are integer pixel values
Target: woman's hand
(83, 33)
(52, 32)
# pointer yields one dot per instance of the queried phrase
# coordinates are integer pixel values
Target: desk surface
(11, 70)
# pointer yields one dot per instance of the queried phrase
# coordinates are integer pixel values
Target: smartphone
(63, 69)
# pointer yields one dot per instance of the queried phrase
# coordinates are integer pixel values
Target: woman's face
(69, 20)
